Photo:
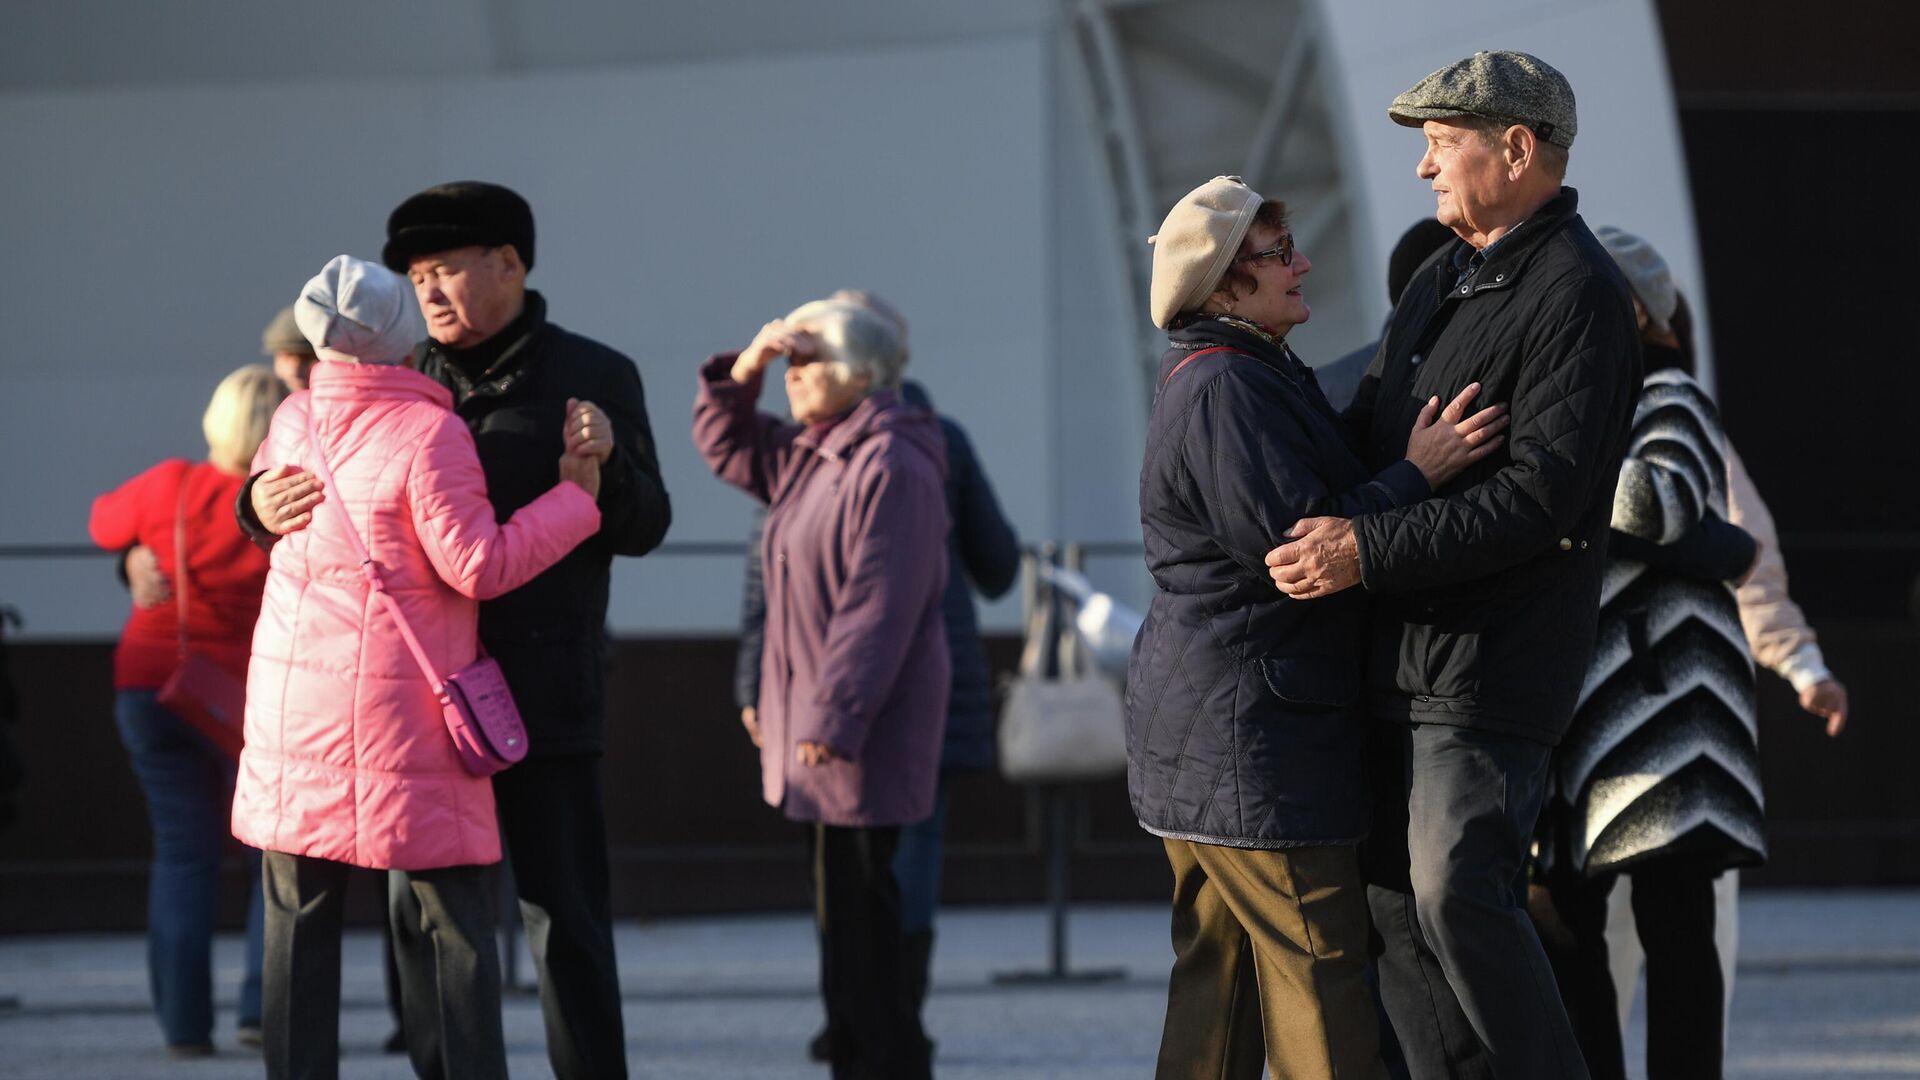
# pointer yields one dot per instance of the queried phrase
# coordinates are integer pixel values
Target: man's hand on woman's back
(283, 498)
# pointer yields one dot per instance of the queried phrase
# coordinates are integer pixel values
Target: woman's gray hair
(877, 304)
(859, 341)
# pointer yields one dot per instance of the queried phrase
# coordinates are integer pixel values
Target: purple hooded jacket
(856, 561)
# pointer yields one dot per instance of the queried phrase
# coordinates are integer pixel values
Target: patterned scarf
(1260, 330)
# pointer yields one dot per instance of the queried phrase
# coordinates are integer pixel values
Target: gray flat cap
(283, 335)
(1499, 85)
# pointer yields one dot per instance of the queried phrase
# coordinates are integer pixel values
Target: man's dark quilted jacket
(1244, 724)
(1486, 595)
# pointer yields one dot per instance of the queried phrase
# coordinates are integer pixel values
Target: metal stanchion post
(1056, 817)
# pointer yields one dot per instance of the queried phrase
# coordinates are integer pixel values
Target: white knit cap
(360, 312)
(1646, 272)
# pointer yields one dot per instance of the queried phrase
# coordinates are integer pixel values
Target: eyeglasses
(1282, 251)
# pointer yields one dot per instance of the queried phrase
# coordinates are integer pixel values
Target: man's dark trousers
(555, 830)
(1462, 974)
(555, 826)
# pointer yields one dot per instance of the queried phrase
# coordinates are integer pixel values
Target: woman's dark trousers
(1462, 973)
(451, 1001)
(1673, 910)
(874, 1023)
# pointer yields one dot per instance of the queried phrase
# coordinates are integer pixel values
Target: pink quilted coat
(347, 756)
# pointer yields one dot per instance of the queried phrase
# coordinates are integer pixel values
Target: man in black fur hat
(467, 247)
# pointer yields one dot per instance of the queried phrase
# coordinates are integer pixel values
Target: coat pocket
(1308, 683)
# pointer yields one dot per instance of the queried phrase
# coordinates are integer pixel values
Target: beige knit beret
(1196, 243)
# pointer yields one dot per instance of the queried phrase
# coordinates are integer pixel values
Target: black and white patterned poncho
(1662, 755)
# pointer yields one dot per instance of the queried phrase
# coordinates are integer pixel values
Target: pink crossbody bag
(481, 717)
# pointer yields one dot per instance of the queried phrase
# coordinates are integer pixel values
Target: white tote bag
(1064, 728)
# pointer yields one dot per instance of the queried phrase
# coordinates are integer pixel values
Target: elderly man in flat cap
(1485, 594)
(291, 352)
(467, 247)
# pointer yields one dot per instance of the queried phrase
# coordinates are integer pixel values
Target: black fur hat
(459, 214)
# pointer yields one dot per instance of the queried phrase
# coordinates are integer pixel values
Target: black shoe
(820, 1047)
(249, 1036)
(396, 1043)
(190, 1050)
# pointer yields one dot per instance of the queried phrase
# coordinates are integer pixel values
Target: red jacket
(226, 569)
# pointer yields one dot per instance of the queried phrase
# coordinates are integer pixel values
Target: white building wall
(678, 208)
(175, 172)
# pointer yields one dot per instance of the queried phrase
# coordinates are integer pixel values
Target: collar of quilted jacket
(1506, 261)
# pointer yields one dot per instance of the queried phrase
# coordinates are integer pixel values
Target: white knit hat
(1646, 273)
(360, 312)
(1196, 244)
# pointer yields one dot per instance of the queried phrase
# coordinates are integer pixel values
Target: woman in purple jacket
(854, 674)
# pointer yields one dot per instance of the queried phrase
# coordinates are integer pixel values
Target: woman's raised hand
(1442, 443)
(776, 339)
(773, 340)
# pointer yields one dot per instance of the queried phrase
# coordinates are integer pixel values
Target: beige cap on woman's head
(1196, 244)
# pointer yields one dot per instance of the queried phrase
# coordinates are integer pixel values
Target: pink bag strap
(367, 568)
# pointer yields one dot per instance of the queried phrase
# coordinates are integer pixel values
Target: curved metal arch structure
(1177, 104)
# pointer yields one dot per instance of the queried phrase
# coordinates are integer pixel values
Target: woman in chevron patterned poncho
(1658, 778)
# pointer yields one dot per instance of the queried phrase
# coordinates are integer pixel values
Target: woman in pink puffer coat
(347, 759)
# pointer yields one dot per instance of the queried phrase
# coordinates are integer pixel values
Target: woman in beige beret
(1244, 722)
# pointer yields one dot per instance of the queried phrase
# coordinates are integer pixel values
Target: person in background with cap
(515, 376)
(284, 344)
(1244, 733)
(1658, 780)
(1485, 594)
(348, 761)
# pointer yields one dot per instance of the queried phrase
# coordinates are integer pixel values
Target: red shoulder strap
(1191, 357)
(180, 584)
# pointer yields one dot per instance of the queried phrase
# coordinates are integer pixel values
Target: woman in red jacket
(187, 781)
